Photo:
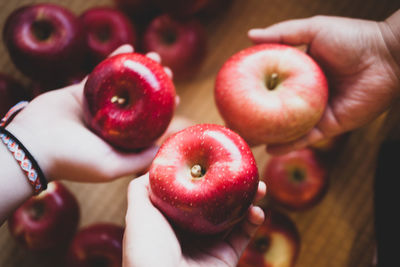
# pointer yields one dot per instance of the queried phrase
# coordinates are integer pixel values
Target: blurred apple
(47, 220)
(296, 180)
(275, 244)
(45, 41)
(98, 244)
(180, 43)
(106, 29)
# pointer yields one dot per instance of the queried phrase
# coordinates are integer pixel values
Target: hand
(150, 240)
(362, 73)
(53, 130)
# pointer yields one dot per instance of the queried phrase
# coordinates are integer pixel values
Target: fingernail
(255, 32)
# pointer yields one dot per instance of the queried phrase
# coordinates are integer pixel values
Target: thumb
(291, 32)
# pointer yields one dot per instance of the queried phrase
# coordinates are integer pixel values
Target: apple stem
(196, 171)
(117, 99)
(272, 81)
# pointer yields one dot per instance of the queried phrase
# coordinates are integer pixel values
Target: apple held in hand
(296, 180)
(11, 92)
(129, 101)
(106, 29)
(275, 244)
(47, 220)
(96, 245)
(180, 43)
(204, 178)
(271, 93)
(45, 41)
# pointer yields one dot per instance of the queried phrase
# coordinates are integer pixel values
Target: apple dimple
(262, 243)
(168, 36)
(103, 33)
(36, 210)
(297, 174)
(42, 30)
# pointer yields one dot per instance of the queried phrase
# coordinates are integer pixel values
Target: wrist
(390, 31)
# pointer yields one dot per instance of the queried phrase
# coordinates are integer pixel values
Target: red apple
(182, 8)
(96, 245)
(11, 92)
(180, 43)
(129, 101)
(45, 41)
(275, 244)
(204, 179)
(106, 29)
(271, 93)
(47, 220)
(296, 180)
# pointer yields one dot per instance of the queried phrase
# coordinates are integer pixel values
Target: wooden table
(337, 232)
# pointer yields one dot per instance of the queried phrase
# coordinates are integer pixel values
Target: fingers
(240, 237)
(122, 49)
(154, 56)
(315, 135)
(291, 32)
(261, 191)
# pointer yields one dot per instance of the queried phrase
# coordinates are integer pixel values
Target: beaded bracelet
(26, 161)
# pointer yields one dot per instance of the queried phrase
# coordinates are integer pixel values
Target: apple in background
(204, 179)
(271, 93)
(106, 29)
(180, 43)
(129, 101)
(296, 180)
(46, 221)
(99, 244)
(275, 244)
(11, 92)
(45, 41)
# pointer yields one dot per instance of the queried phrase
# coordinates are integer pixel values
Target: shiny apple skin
(11, 92)
(54, 226)
(106, 29)
(275, 244)
(57, 56)
(283, 188)
(99, 243)
(263, 116)
(219, 199)
(150, 105)
(185, 52)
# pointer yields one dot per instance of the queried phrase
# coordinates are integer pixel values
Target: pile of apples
(204, 178)
(54, 47)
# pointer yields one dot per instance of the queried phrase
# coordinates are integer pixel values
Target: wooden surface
(337, 232)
